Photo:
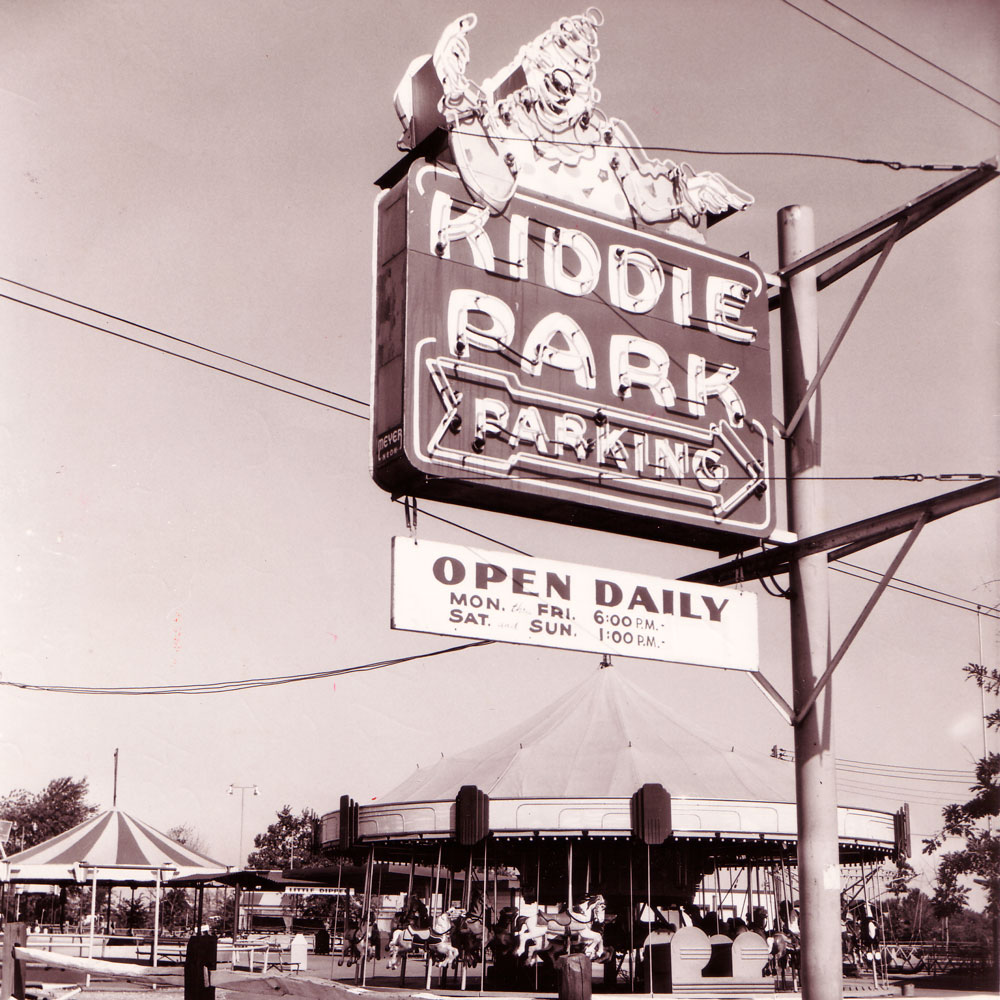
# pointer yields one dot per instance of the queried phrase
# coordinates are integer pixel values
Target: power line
(178, 340)
(899, 585)
(927, 597)
(889, 62)
(921, 778)
(958, 774)
(888, 792)
(916, 477)
(791, 154)
(961, 772)
(972, 605)
(183, 357)
(462, 527)
(225, 687)
(916, 55)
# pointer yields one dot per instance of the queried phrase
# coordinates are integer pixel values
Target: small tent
(121, 849)
(113, 849)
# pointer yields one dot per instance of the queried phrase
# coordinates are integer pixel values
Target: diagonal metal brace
(774, 696)
(840, 542)
(897, 230)
(921, 210)
(887, 578)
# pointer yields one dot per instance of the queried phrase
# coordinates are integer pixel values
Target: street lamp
(242, 789)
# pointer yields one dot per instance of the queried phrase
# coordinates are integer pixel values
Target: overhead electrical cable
(183, 357)
(915, 477)
(179, 340)
(972, 605)
(918, 778)
(916, 55)
(899, 585)
(961, 772)
(611, 475)
(471, 531)
(889, 62)
(866, 161)
(225, 687)
(886, 792)
(881, 770)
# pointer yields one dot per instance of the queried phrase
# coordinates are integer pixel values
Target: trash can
(200, 960)
(575, 974)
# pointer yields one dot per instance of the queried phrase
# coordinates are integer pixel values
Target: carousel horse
(503, 941)
(785, 944)
(436, 939)
(553, 933)
(413, 917)
(356, 940)
(784, 956)
(849, 942)
(861, 932)
(467, 932)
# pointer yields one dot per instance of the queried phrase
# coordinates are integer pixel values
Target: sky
(206, 170)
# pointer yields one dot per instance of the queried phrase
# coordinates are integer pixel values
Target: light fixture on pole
(242, 789)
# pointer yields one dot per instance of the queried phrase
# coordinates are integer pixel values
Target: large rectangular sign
(561, 365)
(458, 590)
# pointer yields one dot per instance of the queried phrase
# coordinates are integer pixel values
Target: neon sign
(556, 364)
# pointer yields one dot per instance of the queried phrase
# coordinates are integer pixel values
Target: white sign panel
(314, 890)
(466, 591)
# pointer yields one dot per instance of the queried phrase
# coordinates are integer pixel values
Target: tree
(911, 917)
(287, 843)
(133, 913)
(899, 881)
(978, 861)
(187, 835)
(61, 805)
(175, 910)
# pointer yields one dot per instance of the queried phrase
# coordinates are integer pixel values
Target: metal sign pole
(815, 764)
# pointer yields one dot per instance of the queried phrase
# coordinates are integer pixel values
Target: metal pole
(815, 764)
(336, 915)
(366, 915)
(93, 920)
(631, 924)
(569, 870)
(156, 919)
(241, 861)
(482, 940)
(648, 951)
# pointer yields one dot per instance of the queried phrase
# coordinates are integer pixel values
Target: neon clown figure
(536, 126)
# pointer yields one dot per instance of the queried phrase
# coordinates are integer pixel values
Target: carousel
(605, 827)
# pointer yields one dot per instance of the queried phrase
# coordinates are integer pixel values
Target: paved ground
(385, 984)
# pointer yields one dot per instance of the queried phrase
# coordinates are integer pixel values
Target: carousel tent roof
(606, 738)
(122, 849)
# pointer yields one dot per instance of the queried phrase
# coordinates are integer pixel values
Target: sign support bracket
(897, 230)
(774, 696)
(883, 583)
(842, 542)
(913, 214)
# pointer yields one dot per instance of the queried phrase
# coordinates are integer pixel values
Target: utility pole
(815, 764)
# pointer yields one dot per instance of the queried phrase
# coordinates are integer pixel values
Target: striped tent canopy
(119, 848)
